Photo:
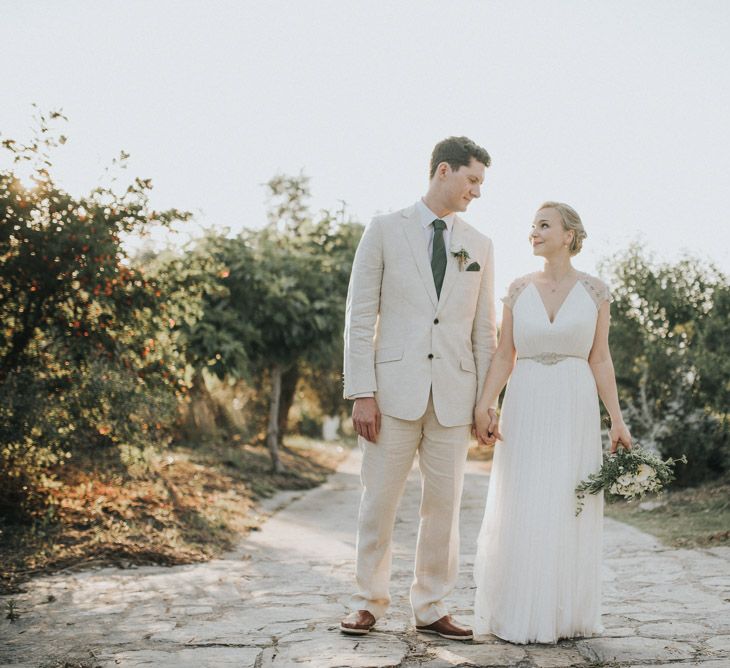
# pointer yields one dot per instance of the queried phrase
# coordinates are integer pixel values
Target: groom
(419, 336)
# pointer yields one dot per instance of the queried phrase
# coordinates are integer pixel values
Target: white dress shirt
(427, 217)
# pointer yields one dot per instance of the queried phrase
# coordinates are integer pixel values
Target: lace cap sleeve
(597, 289)
(515, 290)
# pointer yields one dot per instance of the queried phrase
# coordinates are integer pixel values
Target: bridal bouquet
(628, 474)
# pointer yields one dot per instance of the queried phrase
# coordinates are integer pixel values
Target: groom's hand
(366, 418)
(486, 426)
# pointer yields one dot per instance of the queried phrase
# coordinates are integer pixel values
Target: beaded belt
(550, 358)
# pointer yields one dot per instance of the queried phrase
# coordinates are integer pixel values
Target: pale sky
(618, 107)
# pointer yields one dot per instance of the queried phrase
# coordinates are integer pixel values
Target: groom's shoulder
(397, 216)
(392, 218)
(474, 233)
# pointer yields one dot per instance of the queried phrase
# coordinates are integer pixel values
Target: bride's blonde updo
(571, 221)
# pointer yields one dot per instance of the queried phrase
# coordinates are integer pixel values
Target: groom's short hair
(457, 152)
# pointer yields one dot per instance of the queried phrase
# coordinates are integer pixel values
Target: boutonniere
(461, 254)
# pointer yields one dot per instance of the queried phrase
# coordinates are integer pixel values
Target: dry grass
(178, 506)
(480, 453)
(692, 517)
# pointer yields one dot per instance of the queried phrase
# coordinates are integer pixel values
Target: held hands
(366, 418)
(619, 435)
(486, 426)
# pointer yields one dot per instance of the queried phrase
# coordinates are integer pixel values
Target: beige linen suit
(424, 358)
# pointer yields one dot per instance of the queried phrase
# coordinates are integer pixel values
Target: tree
(207, 331)
(712, 356)
(284, 298)
(85, 353)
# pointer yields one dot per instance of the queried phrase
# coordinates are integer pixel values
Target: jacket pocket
(468, 365)
(392, 354)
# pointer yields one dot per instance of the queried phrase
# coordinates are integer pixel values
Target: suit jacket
(401, 341)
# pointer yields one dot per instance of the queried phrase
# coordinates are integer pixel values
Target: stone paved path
(277, 600)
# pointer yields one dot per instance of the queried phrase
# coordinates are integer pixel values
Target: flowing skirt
(538, 566)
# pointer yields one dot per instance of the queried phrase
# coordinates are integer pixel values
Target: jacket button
(430, 356)
(436, 321)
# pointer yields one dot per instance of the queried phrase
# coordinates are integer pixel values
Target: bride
(538, 566)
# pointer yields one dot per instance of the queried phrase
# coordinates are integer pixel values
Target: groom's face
(463, 185)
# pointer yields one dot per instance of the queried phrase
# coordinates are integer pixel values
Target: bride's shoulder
(596, 288)
(515, 289)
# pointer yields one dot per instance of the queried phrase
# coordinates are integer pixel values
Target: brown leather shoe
(358, 623)
(446, 628)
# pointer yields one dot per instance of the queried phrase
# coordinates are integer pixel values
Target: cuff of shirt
(361, 395)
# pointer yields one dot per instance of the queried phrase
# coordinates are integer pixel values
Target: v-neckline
(560, 308)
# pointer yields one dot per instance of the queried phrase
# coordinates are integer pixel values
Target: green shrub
(87, 354)
(670, 349)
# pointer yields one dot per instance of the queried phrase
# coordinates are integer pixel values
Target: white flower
(644, 473)
(651, 475)
(624, 480)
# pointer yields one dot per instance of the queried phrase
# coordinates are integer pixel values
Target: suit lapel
(452, 264)
(414, 234)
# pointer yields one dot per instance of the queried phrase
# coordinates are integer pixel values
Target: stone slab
(555, 657)
(194, 657)
(719, 644)
(336, 650)
(478, 654)
(634, 649)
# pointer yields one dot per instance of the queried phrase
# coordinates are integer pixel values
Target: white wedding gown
(538, 566)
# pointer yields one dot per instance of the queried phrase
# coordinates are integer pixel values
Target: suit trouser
(385, 467)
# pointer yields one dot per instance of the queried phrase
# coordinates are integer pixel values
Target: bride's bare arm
(603, 371)
(500, 369)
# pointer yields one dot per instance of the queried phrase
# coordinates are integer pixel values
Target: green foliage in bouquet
(628, 474)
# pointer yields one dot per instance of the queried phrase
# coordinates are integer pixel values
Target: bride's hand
(485, 426)
(620, 435)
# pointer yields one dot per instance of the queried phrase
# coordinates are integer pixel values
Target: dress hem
(579, 635)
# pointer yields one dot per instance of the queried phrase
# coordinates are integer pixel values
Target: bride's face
(548, 236)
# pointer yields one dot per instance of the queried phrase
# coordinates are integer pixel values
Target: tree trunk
(22, 337)
(289, 380)
(202, 414)
(272, 434)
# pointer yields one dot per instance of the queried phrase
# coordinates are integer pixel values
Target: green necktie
(438, 258)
